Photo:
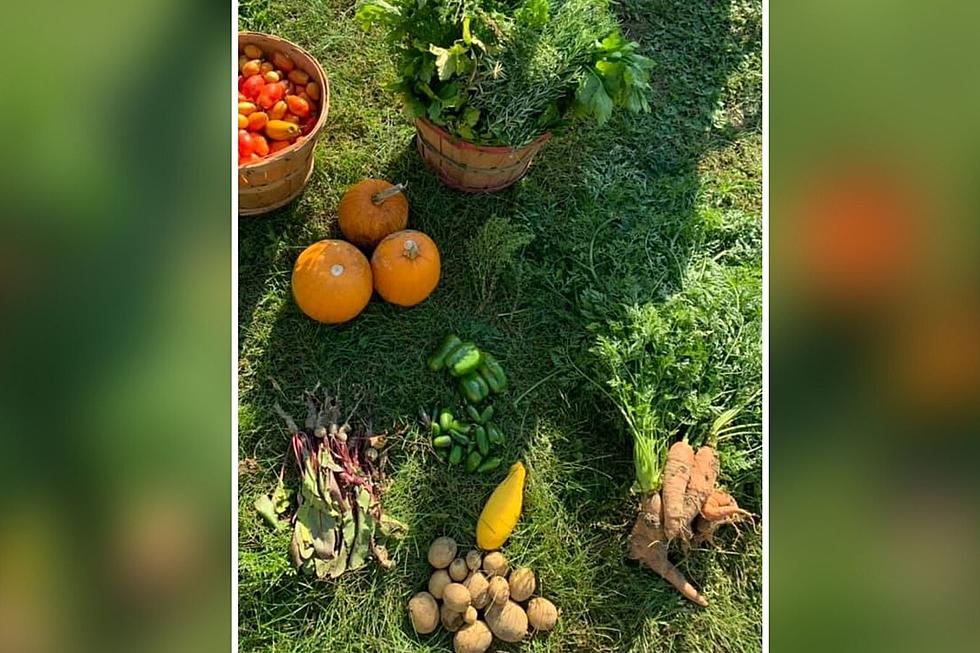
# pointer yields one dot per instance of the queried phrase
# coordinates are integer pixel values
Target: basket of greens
(487, 81)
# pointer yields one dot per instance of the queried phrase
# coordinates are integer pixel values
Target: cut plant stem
(379, 198)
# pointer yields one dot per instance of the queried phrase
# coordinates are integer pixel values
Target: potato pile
(479, 601)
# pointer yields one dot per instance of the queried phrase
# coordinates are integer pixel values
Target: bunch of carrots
(688, 507)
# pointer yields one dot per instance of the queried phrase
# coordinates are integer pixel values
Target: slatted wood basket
(279, 178)
(472, 168)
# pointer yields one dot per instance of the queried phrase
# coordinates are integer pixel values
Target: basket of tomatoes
(283, 98)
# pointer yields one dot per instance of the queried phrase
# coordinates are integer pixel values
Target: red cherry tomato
(245, 144)
(253, 86)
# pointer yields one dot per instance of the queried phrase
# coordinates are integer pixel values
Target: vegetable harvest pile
(524, 360)
(338, 525)
(478, 375)
(479, 601)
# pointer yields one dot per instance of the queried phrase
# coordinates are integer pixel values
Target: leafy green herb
(498, 73)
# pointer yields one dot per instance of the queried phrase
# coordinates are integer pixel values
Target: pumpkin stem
(379, 198)
(411, 249)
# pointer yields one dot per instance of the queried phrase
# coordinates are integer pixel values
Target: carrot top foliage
(673, 369)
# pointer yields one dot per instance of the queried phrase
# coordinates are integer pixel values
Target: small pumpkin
(406, 267)
(332, 281)
(370, 210)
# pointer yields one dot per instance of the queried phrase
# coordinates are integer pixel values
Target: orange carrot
(677, 472)
(648, 545)
(700, 486)
(721, 506)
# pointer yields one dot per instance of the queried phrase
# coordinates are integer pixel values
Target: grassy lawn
(624, 214)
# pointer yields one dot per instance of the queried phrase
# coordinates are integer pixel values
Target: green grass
(607, 218)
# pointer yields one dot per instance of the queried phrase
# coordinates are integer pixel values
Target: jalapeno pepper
(493, 374)
(474, 388)
(473, 413)
(494, 434)
(459, 437)
(489, 464)
(464, 360)
(456, 455)
(473, 461)
(486, 415)
(482, 441)
(437, 361)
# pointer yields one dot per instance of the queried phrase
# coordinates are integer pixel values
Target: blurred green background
(115, 327)
(874, 147)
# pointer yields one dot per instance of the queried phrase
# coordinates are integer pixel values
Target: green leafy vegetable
(498, 73)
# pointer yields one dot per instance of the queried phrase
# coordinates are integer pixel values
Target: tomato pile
(277, 103)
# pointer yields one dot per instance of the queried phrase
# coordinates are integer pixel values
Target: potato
(521, 584)
(457, 597)
(458, 570)
(424, 613)
(474, 559)
(499, 590)
(495, 564)
(441, 552)
(473, 638)
(477, 585)
(470, 615)
(542, 614)
(437, 582)
(451, 620)
(507, 621)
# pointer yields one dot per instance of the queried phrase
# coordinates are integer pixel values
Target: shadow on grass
(614, 215)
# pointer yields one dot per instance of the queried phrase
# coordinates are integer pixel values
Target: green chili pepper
(473, 461)
(486, 415)
(437, 361)
(482, 442)
(494, 434)
(442, 441)
(489, 464)
(462, 427)
(473, 413)
(456, 455)
(464, 360)
(435, 428)
(459, 437)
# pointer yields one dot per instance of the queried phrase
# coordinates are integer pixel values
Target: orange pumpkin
(406, 267)
(370, 210)
(332, 281)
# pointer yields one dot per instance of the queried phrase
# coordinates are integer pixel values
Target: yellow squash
(503, 509)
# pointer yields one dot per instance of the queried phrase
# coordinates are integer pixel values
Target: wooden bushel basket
(278, 178)
(472, 168)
